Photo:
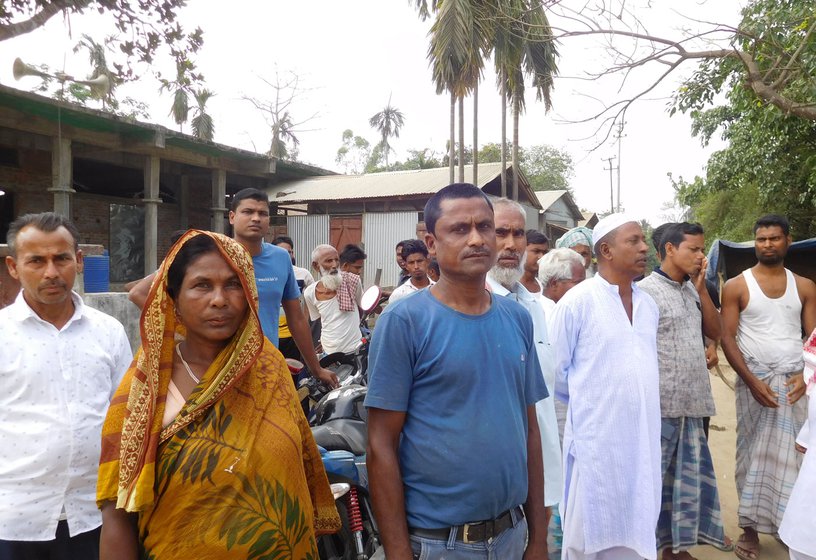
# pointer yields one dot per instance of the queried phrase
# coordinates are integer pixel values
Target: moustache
(477, 253)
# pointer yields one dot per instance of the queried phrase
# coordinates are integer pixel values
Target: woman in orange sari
(205, 450)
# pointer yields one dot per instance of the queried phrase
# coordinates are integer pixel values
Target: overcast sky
(353, 56)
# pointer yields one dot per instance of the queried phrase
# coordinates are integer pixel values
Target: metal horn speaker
(100, 86)
(20, 70)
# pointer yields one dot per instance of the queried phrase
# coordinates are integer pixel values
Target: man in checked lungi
(764, 310)
(690, 509)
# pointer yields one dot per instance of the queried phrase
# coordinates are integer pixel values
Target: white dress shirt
(545, 409)
(55, 387)
(606, 369)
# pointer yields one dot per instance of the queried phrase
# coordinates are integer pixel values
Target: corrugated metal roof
(548, 198)
(373, 185)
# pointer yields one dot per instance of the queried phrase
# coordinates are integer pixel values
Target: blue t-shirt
(275, 279)
(465, 383)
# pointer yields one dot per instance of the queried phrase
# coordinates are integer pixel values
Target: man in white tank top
(764, 311)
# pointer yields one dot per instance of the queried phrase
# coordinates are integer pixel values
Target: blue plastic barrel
(97, 273)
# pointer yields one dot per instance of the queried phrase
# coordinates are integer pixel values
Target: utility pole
(611, 184)
(619, 136)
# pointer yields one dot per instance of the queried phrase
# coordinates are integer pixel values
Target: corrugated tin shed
(392, 184)
(548, 198)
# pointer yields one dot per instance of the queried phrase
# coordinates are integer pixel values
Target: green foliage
(354, 153)
(202, 123)
(547, 168)
(769, 164)
(144, 26)
(388, 123)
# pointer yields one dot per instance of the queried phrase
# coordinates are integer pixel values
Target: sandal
(747, 549)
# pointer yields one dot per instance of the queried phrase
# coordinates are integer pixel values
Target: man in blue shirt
(274, 277)
(454, 446)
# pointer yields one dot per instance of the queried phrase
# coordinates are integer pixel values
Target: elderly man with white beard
(503, 279)
(335, 300)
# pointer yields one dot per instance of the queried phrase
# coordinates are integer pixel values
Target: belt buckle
(465, 538)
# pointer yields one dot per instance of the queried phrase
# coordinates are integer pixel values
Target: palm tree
(388, 123)
(459, 40)
(202, 123)
(180, 109)
(523, 47)
(283, 133)
(98, 59)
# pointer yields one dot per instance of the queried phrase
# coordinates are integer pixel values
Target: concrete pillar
(61, 175)
(151, 202)
(184, 202)
(219, 199)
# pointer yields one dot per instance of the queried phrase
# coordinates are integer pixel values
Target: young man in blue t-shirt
(454, 450)
(274, 277)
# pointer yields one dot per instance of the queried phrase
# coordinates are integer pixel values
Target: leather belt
(473, 532)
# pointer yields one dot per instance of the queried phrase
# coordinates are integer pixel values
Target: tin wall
(381, 233)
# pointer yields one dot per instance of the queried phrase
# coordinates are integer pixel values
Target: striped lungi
(767, 462)
(690, 510)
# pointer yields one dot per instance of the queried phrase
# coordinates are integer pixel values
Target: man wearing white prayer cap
(604, 335)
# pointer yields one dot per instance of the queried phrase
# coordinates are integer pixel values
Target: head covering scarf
(240, 436)
(576, 236)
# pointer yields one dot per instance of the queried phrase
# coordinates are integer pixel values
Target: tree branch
(10, 30)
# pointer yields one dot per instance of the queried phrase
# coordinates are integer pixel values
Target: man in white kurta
(604, 336)
(503, 280)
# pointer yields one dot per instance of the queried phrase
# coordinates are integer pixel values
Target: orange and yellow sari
(237, 473)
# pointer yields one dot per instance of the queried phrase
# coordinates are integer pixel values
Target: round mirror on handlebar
(370, 299)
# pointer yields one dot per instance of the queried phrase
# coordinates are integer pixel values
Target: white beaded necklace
(185, 364)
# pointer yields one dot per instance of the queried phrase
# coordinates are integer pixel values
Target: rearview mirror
(370, 298)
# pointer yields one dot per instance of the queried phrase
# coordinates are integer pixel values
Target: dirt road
(723, 441)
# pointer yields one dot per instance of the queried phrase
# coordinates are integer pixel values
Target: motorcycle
(351, 368)
(339, 427)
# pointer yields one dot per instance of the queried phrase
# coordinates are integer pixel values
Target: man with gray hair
(335, 300)
(504, 280)
(558, 271)
(60, 363)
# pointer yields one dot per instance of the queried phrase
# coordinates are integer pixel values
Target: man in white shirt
(538, 245)
(604, 334)
(60, 363)
(504, 280)
(415, 256)
(335, 300)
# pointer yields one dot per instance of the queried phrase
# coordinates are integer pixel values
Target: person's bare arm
(712, 325)
(387, 495)
(807, 291)
(731, 308)
(537, 514)
(303, 340)
(138, 293)
(119, 540)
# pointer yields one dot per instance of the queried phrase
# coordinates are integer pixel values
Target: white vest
(770, 330)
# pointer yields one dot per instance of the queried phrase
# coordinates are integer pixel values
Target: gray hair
(45, 221)
(557, 265)
(319, 249)
(512, 204)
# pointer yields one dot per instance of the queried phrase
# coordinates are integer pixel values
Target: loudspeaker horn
(100, 86)
(20, 69)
